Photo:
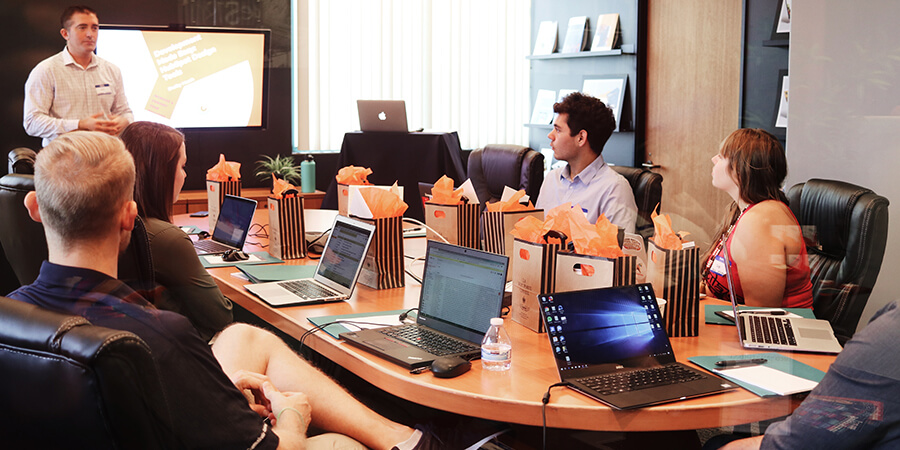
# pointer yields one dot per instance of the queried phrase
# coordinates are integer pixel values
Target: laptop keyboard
(633, 380)
(307, 289)
(211, 246)
(434, 343)
(771, 330)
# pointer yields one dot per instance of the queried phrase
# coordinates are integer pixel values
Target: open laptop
(336, 274)
(382, 115)
(611, 344)
(230, 232)
(462, 289)
(767, 332)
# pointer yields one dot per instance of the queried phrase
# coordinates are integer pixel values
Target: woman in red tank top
(769, 265)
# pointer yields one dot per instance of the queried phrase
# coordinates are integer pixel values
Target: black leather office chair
(69, 384)
(25, 245)
(498, 165)
(22, 239)
(647, 187)
(845, 227)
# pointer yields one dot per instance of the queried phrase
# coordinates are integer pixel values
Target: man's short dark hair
(589, 114)
(71, 11)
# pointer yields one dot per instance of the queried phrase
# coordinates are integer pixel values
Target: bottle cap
(497, 321)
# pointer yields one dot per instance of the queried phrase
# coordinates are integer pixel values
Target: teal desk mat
(265, 258)
(335, 329)
(776, 361)
(709, 313)
(260, 273)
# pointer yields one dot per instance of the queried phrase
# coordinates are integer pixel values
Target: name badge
(718, 266)
(103, 89)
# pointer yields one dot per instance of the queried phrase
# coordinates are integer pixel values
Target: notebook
(336, 273)
(382, 115)
(230, 232)
(796, 334)
(611, 344)
(462, 289)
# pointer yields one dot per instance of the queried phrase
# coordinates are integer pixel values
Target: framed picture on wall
(610, 89)
(782, 27)
(781, 112)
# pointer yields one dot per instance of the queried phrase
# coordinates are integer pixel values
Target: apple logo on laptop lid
(382, 116)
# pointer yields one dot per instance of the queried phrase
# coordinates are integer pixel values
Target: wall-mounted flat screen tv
(191, 77)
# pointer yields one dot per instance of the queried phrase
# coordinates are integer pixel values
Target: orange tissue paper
(279, 187)
(510, 205)
(530, 229)
(443, 193)
(663, 236)
(384, 203)
(353, 175)
(224, 170)
(595, 240)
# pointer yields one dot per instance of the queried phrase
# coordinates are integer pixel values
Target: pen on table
(740, 362)
(766, 313)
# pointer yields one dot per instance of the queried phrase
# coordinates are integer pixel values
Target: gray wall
(844, 119)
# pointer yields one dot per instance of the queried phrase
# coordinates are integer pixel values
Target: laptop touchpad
(385, 344)
(813, 333)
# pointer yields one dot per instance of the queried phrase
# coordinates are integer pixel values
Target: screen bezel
(267, 46)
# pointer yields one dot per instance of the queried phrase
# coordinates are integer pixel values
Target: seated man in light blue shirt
(580, 131)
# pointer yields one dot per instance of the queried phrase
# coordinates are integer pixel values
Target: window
(459, 65)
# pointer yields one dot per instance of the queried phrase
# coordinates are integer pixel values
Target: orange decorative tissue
(353, 175)
(224, 170)
(442, 193)
(384, 203)
(663, 236)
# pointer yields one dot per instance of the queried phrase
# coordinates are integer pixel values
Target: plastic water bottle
(496, 348)
(308, 175)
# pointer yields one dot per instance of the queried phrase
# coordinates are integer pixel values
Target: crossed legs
(244, 347)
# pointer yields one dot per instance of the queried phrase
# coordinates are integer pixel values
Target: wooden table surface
(513, 396)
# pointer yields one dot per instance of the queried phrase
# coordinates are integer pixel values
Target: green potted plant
(282, 167)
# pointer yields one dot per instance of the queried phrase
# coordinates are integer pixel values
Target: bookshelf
(763, 60)
(568, 70)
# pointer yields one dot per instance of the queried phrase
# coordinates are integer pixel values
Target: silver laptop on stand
(765, 332)
(382, 115)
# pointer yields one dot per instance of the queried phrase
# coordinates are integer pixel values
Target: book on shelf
(607, 35)
(543, 107)
(546, 41)
(576, 35)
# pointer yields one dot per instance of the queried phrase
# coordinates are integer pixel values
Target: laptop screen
(615, 326)
(462, 289)
(234, 220)
(344, 252)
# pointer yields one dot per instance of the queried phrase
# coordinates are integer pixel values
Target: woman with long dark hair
(769, 265)
(159, 159)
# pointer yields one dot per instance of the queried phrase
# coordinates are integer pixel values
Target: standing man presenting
(75, 89)
(581, 129)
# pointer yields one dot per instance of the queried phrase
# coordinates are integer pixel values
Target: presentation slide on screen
(189, 79)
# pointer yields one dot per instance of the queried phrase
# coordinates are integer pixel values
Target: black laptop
(462, 289)
(611, 344)
(230, 232)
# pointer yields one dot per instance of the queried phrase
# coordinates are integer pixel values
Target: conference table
(513, 396)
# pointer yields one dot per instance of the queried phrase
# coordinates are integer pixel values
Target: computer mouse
(450, 366)
(234, 255)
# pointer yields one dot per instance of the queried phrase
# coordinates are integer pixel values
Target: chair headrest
(21, 160)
